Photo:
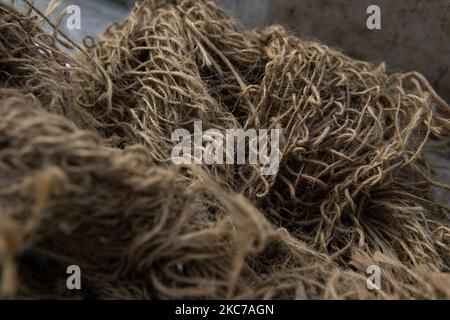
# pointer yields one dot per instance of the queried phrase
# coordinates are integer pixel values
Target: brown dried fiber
(86, 176)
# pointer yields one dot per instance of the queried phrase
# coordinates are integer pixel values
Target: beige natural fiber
(86, 176)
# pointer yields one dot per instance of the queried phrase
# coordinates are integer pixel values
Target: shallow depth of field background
(414, 35)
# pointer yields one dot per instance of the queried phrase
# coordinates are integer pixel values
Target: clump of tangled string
(86, 176)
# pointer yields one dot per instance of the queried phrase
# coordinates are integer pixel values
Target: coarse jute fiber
(86, 176)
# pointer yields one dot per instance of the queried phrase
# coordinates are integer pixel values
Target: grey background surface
(414, 35)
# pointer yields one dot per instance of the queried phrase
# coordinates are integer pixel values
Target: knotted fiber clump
(86, 176)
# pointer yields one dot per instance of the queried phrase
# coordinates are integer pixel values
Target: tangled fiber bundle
(86, 177)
